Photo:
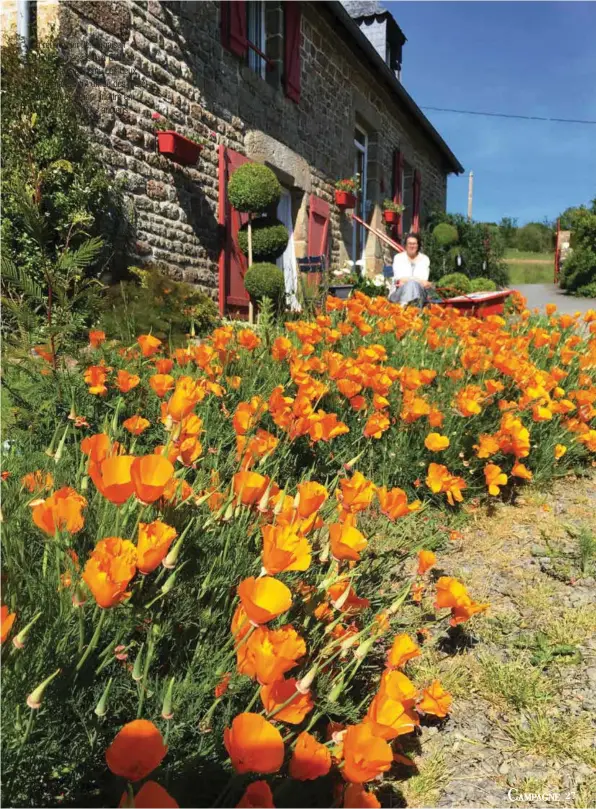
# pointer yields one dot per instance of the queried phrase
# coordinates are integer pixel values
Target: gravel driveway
(541, 294)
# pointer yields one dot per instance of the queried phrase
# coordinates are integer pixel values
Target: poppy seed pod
(101, 707)
(166, 708)
(35, 697)
(19, 640)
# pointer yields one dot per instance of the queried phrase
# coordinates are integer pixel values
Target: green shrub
(269, 238)
(482, 285)
(253, 188)
(535, 237)
(154, 302)
(578, 271)
(265, 281)
(456, 283)
(445, 234)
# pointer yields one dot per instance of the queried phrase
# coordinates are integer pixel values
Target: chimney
(380, 28)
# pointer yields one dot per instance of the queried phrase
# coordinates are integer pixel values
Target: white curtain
(287, 261)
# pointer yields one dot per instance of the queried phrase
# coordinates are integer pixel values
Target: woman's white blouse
(406, 267)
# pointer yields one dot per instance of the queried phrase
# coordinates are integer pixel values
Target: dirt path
(523, 677)
(528, 261)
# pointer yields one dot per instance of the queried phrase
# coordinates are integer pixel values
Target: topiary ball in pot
(445, 234)
(482, 285)
(263, 280)
(269, 238)
(455, 283)
(253, 188)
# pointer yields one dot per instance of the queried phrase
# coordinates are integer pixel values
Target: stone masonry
(136, 58)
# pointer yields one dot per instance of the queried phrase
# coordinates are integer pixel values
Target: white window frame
(361, 148)
(255, 32)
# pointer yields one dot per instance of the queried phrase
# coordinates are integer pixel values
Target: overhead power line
(506, 115)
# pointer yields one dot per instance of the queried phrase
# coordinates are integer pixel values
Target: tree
(508, 228)
(535, 237)
(578, 273)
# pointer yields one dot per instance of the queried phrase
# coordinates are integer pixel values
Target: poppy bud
(338, 604)
(170, 560)
(335, 692)
(85, 483)
(324, 555)
(79, 597)
(399, 601)
(19, 640)
(166, 708)
(229, 512)
(351, 464)
(170, 581)
(35, 697)
(364, 648)
(279, 505)
(303, 685)
(264, 501)
(60, 449)
(100, 709)
(137, 671)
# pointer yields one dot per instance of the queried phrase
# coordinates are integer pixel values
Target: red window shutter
(416, 202)
(318, 227)
(233, 26)
(292, 40)
(398, 185)
(233, 296)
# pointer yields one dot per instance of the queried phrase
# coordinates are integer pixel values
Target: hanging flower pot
(178, 148)
(391, 217)
(344, 199)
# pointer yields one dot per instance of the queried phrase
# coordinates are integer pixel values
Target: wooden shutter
(398, 186)
(416, 202)
(292, 40)
(318, 227)
(233, 296)
(233, 26)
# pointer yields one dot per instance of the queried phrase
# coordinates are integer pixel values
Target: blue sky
(528, 58)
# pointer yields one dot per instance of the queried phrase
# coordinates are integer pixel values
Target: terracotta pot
(344, 199)
(391, 217)
(178, 148)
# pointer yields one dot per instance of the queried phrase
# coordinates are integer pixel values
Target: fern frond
(14, 275)
(79, 258)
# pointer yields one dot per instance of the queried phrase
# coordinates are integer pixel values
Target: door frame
(359, 229)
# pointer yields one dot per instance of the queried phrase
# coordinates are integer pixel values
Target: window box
(342, 291)
(178, 148)
(344, 199)
(391, 217)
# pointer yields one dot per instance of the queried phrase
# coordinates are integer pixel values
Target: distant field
(529, 268)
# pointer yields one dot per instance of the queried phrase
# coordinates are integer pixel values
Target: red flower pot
(391, 217)
(344, 199)
(178, 148)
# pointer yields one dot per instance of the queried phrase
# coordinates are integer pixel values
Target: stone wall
(135, 58)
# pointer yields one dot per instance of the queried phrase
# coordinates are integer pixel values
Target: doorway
(361, 169)
(287, 260)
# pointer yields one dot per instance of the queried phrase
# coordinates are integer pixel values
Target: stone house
(312, 89)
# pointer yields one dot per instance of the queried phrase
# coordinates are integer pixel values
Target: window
(407, 197)
(255, 28)
(360, 168)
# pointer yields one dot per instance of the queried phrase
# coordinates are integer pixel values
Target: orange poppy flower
(281, 348)
(95, 376)
(276, 694)
(494, 478)
(185, 396)
(435, 700)
(560, 450)
(365, 755)
(284, 549)
(356, 492)
(247, 415)
(487, 445)
(264, 598)
(257, 795)
(254, 744)
(435, 442)
(136, 751)
(310, 758)
(109, 569)
(7, 619)
(311, 497)
(376, 425)
(389, 718)
(112, 477)
(346, 542)
(150, 345)
(395, 685)
(150, 796)
(520, 470)
(394, 503)
(62, 511)
(97, 447)
(249, 487)
(268, 653)
(402, 650)
(189, 451)
(426, 560)
(453, 594)
(136, 424)
(150, 475)
(344, 598)
(240, 625)
(153, 544)
(161, 384)
(164, 365)
(96, 338)
(248, 339)
(439, 479)
(356, 797)
(37, 481)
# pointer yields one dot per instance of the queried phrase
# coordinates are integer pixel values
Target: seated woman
(411, 270)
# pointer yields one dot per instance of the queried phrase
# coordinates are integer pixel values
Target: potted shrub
(180, 149)
(343, 281)
(345, 192)
(392, 211)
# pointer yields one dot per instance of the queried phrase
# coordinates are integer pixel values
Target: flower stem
(94, 640)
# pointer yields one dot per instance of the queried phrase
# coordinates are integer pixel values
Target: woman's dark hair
(414, 236)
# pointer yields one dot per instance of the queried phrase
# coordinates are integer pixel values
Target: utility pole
(470, 195)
